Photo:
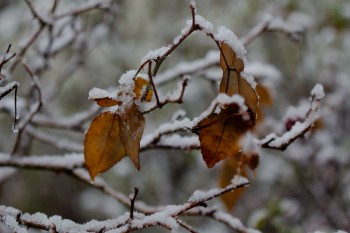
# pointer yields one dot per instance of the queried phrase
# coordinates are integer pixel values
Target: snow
(193, 5)
(155, 54)
(299, 127)
(7, 88)
(250, 143)
(178, 141)
(65, 225)
(224, 99)
(165, 129)
(318, 92)
(97, 93)
(239, 180)
(37, 218)
(233, 222)
(296, 113)
(259, 69)
(203, 196)
(68, 161)
(250, 79)
(178, 114)
(228, 37)
(204, 24)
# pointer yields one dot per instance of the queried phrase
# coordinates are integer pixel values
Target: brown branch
(132, 202)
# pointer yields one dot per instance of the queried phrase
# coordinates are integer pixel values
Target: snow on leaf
(227, 37)
(233, 82)
(103, 97)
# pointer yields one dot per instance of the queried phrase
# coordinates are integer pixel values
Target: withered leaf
(111, 137)
(229, 169)
(132, 125)
(265, 100)
(106, 102)
(232, 83)
(229, 59)
(102, 146)
(139, 85)
(219, 135)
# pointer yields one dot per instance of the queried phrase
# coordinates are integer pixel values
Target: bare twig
(6, 59)
(132, 202)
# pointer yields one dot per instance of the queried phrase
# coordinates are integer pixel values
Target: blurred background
(303, 189)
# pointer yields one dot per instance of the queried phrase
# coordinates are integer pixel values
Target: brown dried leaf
(219, 135)
(264, 95)
(103, 147)
(132, 125)
(232, 82)
(229, 169)
(228, 59)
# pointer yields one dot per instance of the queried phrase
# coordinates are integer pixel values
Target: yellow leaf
(103, 147)
(132, 125)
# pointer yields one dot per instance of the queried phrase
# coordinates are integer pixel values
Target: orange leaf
(229, 169)
(106, 102)
(139, 85)
(103, 147)
(132, 125)
(219, 135)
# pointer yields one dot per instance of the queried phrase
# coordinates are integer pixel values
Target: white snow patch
(97, 93)
(202, 196)
(155, 54)
(228, 37)
(258, 69)
(7, 88)
(250, 79)
(205, 25)
(318, 92)
(179, 141)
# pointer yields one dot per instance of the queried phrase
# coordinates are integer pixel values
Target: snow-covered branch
(167, 217)
(273, 141)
